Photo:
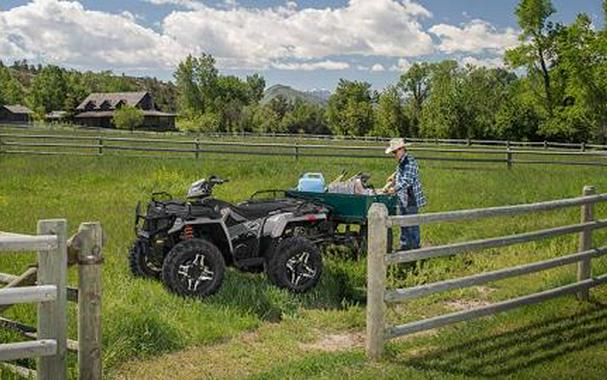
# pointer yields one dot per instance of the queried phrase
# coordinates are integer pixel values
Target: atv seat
(260, 209)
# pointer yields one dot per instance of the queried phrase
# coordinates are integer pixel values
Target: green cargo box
(348, 208)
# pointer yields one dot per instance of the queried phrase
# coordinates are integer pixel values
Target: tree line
(552, 86)
(46, 88)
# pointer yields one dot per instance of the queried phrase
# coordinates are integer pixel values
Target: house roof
(56, 114)
(112, 98)
(90, 114)
(18, 108)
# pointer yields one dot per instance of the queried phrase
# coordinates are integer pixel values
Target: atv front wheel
(140, 263)
(193, 268)
(296, 265)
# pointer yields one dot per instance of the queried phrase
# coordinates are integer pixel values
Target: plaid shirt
(407, 183)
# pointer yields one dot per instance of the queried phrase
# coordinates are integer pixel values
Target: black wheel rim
(300, 269)
(195, 273)
(151, 264)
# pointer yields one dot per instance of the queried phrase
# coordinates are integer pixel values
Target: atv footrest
(247, 263)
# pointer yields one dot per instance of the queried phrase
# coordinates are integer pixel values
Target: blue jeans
(410, 237)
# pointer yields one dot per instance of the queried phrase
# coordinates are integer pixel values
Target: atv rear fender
(276, 224)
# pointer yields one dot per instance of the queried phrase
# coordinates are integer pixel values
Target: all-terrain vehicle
(187, 243)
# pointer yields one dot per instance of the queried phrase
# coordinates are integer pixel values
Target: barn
(97, 110)
(15, 114)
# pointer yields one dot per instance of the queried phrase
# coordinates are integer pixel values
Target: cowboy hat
(396, 144)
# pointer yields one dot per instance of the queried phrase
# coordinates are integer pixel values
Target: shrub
(128, 117)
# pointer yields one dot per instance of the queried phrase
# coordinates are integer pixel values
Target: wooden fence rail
(379, 258)
(50, 342)
(49, 144)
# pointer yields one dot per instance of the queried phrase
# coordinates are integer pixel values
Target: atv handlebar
(217, 180)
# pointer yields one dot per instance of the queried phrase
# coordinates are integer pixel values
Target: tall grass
(141, 319)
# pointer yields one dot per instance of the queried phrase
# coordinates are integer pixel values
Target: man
(407, 186)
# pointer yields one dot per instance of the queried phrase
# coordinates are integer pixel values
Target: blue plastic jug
(312, 182)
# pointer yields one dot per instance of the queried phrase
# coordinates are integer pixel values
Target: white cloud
(285, 37)
(474, 37)
(64, 32)
(377, 68)
(243, 37)
(402, 65)
(310, 66)
(188, 4)
(490, 63)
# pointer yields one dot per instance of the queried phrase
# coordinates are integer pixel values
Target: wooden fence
(50, 344)
(53, 144)
(378, 260)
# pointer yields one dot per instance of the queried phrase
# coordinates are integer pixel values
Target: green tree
(206, 76)
(189, 98)
(350, 108)
(48, 90)
(390, 119)
(440, 116)
(128, 117)
(415, 84)
(257, 85)
(304, 117)
(537, 52)
(11, 91)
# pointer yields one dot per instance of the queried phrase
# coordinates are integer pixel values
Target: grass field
(251, 329)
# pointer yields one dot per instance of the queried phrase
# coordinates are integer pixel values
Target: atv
(188, 243)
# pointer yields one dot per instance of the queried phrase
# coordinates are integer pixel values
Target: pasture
(251, 329)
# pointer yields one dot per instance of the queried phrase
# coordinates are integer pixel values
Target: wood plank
(26, 350)
(28, 294)
(490, 212)
(30, 332)
(17, 242)
(89, 301)
(376, 280)
(467, 315)
(584, 269)
(19, 371)
(502, 241)
(72, 293)
(52, 316)
(27, 278)
(399, 295)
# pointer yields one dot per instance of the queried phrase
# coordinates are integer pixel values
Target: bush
(128, 118)
(208, 122)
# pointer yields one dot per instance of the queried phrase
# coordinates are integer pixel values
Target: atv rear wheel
(296, 265)
(193, 268)
(140, 263)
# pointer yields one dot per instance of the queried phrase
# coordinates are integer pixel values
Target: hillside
(291, 95)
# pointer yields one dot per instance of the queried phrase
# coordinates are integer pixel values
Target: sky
(306, 44)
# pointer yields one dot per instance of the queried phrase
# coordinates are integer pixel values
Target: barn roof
(18, 109)
(112, 98)
(101, 114)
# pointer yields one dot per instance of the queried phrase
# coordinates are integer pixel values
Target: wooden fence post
(52, 316)
(376, 279)
(197, 147)
(583, 147)
(545, 144)
(100, 143)
(296, 152)
(89, 301)
(509, 158)
(584, 268)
